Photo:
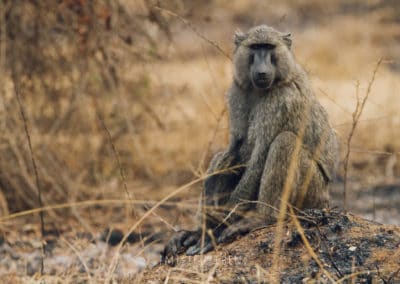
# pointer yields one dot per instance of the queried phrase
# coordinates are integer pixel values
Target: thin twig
(115, 152)
(214, 134)
(115, 258)
(122, 172)
(334, 101)
(285, 197)
(77, 253)
(153, 114)
(394, 274)
(151, 210)
(194, 29)
(35, 170)
(308, 246)
(88, 203)
(368, 120)
(323, 241)
(356, 117)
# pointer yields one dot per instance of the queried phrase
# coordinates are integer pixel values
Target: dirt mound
(332, 246)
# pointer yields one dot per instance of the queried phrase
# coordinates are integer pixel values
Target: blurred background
(124, 100)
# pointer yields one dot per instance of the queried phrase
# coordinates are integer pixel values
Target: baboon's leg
(217, 190)
(218, 187)
(308, 189)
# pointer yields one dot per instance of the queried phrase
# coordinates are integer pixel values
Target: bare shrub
(67, 59)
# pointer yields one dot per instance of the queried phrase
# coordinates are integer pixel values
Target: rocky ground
(343, 248)
(344, 244)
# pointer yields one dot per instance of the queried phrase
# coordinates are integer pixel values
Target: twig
(207, 151)
(115, 258)
(75, 250)
(285, 197)
(323, 241)
(334, 101)
(122, 172)
(380, 275)
(35, 170)
(356, 117)
(308, 246)
(88, 203)
(394, 274)
(151, 210)
(348, 276)
(373, 119)
(153, 114)
(374, 152)
(116, 154)
(194, 29)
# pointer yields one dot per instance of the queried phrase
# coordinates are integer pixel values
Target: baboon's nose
(262, 75)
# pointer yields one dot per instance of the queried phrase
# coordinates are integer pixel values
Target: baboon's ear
(287, 39)
(238, 37)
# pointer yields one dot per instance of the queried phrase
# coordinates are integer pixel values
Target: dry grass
(163, 120)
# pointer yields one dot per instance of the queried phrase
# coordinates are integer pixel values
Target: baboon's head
(262, 57)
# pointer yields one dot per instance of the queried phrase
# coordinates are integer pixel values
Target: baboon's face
(262, 57)
(262, 62)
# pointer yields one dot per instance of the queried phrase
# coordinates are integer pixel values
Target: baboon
(280, 138)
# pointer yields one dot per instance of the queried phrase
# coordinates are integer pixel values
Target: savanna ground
(109, 107)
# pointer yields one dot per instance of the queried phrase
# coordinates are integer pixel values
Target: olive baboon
(276, 126)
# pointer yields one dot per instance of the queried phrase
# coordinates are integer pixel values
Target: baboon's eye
(273, 58)
(258, 46)
(251, 58)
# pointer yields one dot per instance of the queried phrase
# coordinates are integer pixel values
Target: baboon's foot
(201, 247)
(207, 242)
(227, 234)
(178, 244)
(241, 228)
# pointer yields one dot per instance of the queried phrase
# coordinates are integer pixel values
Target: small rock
(352, 248)
(113, 237)
(134, 237)
(295, 240)
(85, 235)
(265, 247)
(336, 228)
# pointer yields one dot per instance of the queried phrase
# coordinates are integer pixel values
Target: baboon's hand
(179, 244)
(227, 234)
(227, 160)
(210, 240)
(241, 228)
(201, 247)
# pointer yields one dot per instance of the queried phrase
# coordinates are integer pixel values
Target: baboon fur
(280, 138)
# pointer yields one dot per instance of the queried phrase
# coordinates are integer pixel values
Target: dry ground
(339, 248)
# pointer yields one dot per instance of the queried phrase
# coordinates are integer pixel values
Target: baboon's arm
(234, 145)
(248, 185)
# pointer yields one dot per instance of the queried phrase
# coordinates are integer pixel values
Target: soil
(348, 248)
(344, 244)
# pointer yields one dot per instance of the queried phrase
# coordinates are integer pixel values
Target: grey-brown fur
(265, 127)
